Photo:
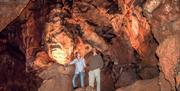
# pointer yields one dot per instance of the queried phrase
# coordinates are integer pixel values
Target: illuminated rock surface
(139, 41)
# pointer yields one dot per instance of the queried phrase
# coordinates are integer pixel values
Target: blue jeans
(74, 80)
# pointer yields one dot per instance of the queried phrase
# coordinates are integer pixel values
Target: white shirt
(79, 64)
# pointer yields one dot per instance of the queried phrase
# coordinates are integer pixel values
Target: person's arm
(72, 62)
(84, 63)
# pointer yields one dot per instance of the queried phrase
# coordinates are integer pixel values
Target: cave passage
(138, 40)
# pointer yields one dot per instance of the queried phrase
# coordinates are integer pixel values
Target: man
(79, 70)
(95, 65)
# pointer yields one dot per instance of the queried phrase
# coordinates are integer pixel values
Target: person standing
(95, 64)
(79, 70)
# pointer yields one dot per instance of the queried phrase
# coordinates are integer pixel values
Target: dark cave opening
(13, 70)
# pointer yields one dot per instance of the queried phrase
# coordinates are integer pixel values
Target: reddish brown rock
(13, 75)
(164, 20)
(164, 84)
(151, 5)
(30, 39)
(168, 53)
(107, 83)
(149, 72)
(85, 89)
(54, 31)
(126, 78)
(57, 78)
(42, 59)
(136, 30)
(143, 85)
(9, 10)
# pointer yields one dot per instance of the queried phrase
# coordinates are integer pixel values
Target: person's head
(78, 55)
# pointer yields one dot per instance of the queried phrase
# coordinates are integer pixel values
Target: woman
(79, 70)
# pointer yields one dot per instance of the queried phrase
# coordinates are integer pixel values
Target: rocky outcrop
(13, 70)
(143, 85)
(57, 78)
(155, 84)
(10, 10)
(85, 89)
(169, 58)
(164, 19)
(80, 27)
(126, 33)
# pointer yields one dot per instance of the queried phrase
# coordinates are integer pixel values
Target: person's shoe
(75, 88)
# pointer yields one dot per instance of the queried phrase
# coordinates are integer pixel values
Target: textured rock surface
(164, 19)
(155, 84)
(143, 85)
(13, 74)
(85, 89)
(57, 78)
(126, 33)
(169, 58)
(9, 10)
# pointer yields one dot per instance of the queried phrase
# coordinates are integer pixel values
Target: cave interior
(139, 41)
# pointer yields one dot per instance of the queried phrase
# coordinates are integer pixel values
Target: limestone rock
(9, 10)
(151, 5)
(143, 85)
(85, 89)
(149, 72)
(56, 78)
(168, 53)
(165, 20)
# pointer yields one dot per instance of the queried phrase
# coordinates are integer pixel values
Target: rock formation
(139, 41)
(10, 10)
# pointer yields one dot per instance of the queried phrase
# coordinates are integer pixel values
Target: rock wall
(8, 14)
(163, 16)
(13, 70)
(138, 39)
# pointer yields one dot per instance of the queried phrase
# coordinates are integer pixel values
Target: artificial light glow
(59, 55)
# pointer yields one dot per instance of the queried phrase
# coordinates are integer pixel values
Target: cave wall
(113, 21)
(10, 13)
(126, 33)
(14, 76)
(164, 17)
